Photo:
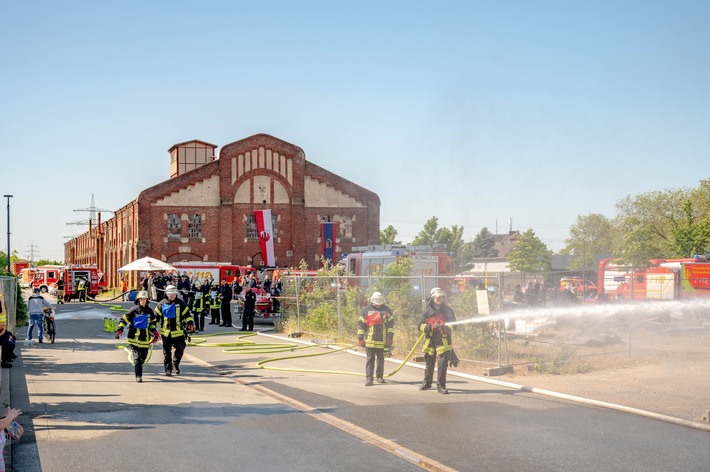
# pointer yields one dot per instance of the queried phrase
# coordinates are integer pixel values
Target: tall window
(252, 232)
(194, 226)
(174, 226)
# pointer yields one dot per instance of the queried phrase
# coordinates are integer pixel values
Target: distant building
(505, 242)
(205, 210)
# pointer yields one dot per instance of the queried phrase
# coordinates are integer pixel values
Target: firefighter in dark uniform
(199, 305)
(225, 291)
(249, 308)
(215, 305)
(438, 339)
(375, 331)
(173, 315)
(142, 331)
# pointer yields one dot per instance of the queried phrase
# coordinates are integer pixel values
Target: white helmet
(436, 292)
(171, 290)
(377, 299)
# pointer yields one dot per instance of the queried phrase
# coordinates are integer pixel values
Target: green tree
(483, 244)
(389, 236)
(690, 234)
(48, 262)
(449, 238)
(529, 254)
(590, 235)
(637, 247)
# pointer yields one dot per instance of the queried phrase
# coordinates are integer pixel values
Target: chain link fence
(530, 322)
(8, 292)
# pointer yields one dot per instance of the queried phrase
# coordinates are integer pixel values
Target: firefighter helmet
(171, 290)
(142, 294)
(377, 299)
(436, 292)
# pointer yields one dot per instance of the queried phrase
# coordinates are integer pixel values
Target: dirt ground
(664, 371)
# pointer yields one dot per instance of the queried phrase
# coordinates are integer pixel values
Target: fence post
(340, 313)
(298, 305)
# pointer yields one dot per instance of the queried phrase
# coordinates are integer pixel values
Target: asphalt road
(84, 411)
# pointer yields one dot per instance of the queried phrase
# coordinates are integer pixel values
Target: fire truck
(666, 279)
(428, 264)
(18, 266)
(44, 276)
(214, 270)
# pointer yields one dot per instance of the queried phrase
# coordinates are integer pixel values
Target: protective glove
(439, 326)
(360, 342)
(427, 328)
(453, 359)
(156, 337)
(119, 333)
(388, 351)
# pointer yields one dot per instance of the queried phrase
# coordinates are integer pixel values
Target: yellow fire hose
(243, 346)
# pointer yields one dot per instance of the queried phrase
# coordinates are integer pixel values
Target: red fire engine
(666, 279)
(214, 270)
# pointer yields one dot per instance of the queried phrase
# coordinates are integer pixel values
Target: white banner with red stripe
(266, 236)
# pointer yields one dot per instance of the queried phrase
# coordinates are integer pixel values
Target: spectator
(35, 307)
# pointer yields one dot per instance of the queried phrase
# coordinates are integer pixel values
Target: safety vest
(141, 325)
(215, 300)
(375, 325)
(198, 304)
(438, 342)
(172, 315)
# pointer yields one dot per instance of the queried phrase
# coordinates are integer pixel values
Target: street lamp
(8, 231)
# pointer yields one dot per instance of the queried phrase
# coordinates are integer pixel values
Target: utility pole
(8, 231)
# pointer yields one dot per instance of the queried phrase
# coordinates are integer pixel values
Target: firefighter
(249, 308)
(81, 288)
(438, 339)
(215, 305)
(60, 289)
(142, 331)
(225, 291)
(174, 318)
(198, 307)
(375, 331)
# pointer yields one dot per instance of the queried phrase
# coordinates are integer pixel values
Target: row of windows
(194, 226)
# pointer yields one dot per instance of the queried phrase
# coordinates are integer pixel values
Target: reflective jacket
(438, 341)
(172, 315)
(375, 325)
(215, 299)
(141, 325)
(198, 303)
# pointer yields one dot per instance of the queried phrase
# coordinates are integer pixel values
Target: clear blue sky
(475, 112)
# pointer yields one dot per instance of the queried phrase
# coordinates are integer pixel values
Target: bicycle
(50, 329)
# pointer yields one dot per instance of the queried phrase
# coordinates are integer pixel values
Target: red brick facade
(208, 211)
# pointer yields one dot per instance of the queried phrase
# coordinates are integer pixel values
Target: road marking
(345, 426)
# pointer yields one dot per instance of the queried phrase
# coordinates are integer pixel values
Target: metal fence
(524, 321)
(8, 291)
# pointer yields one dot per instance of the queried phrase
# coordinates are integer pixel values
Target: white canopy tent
(147, 264)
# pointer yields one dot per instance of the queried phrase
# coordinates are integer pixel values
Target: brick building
(205, 210)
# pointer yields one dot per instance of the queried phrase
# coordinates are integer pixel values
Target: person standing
(81, 288)
(438, 339)
(225, 291)
(199, 305)
(35, 307)
(142, 331)
(123, 287)
(172, 314)
(276, 287)
(215, 305)
(249, 307)
(7, 342)
(375, 331)
(60, 289)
